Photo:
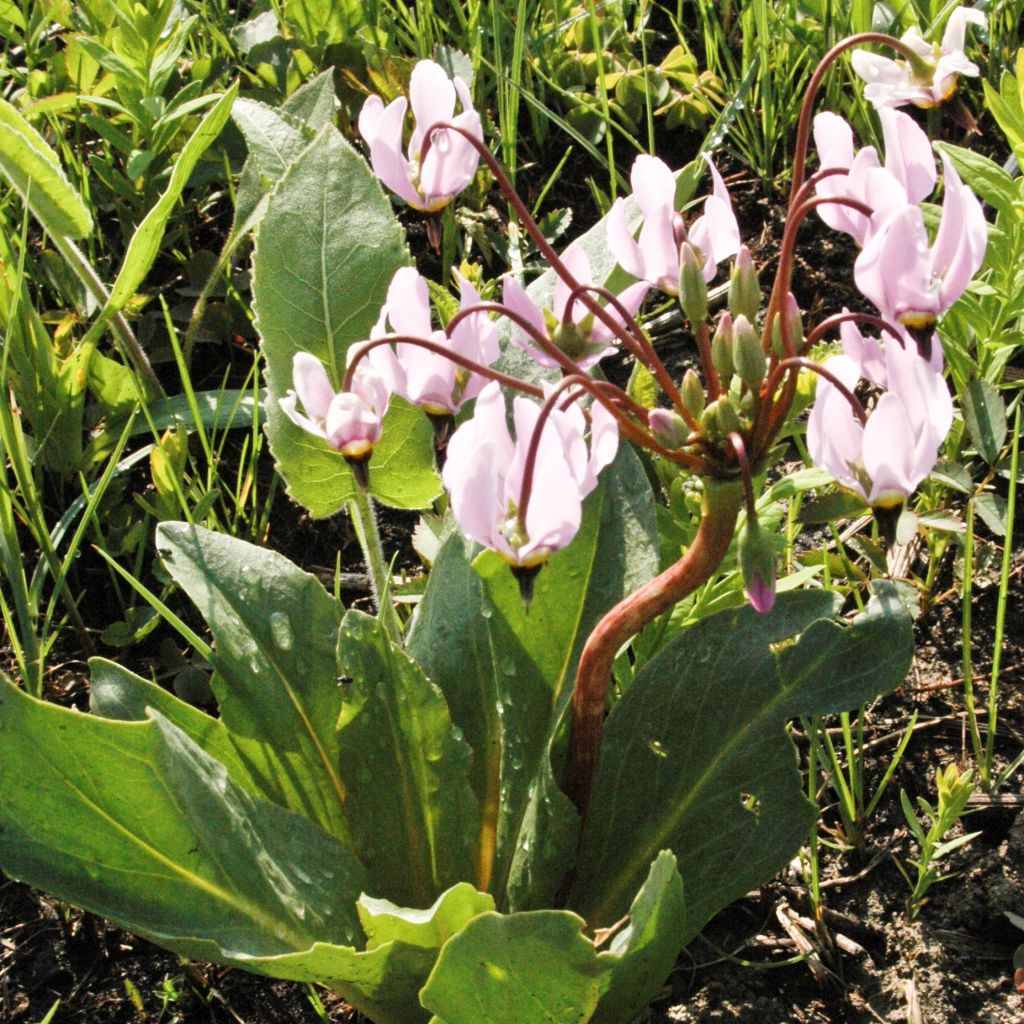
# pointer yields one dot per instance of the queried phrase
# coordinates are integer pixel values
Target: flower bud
(744, 288)
(693, 289)
(721, 347)
(720, 419)
(692, 393)
(668, 427)
(757, 563)
(794, 325)
(747, 354)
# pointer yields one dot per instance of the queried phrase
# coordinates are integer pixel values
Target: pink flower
(886, 458)
(425, 378)
(907, 177)
(350, 421)
(583, 338)
(910, 281)
(654, 256)
(484, 475)
(451, 162)
(870, 354)
(933, 76)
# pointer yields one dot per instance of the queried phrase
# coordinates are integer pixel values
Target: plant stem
(721, 506)
(365, 522)
(1004, 584)
(122, 331)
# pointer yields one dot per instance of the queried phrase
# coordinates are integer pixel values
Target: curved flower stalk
(349, 421)
(654, 255)
(885, 454)
(451, 161)
(910, 281)
(569, 325)
(928, 80)
(423, 376)
(907, 177)
(486, 472)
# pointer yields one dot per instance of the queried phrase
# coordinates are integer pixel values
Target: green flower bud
(692, 393)
(794, 324)
(693, 289)
(727, 419)
(744, 288)
(721, 347)
(747, 354)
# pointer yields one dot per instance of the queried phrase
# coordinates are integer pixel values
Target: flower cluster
(520, 491)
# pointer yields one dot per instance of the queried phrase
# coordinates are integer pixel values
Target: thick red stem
(722, 503)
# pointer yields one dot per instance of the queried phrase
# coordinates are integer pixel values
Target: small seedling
(954, 791)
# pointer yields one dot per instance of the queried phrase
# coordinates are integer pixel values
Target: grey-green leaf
(133, 821)
(326, 250)
(410, 807)
(695, 758)
(275, 630)
(531, 968)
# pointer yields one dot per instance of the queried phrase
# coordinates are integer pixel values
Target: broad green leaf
(122, 696)
(145, 243)
(535, 652)
(985, 418)
(274, 140)
(410, 808)
(449, 641)
(384, 922)
(274, 629)
(32, 167)
(695, 758)
(384, 981)
(643, 953)
(531, 968)
(131, 820)
(314, 102)
(326, 250)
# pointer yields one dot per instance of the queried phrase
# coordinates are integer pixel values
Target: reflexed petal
(631, 298)
(369, 117)
(311, 384)
(961, 239)
(288, 404)
(432, 96)
(908, 154)
(577, 263)
(408, 303)
(621, 242)
(654, 186)
(888, 451)
(514, 296)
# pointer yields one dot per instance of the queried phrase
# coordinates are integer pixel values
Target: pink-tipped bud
(668, 427)
(757, 564)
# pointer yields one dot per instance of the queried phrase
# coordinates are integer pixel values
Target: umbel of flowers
(520, 492)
